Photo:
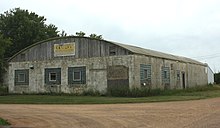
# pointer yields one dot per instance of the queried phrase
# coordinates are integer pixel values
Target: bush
(91, 92)
(4, 122)
(144, 92)
(3, 90)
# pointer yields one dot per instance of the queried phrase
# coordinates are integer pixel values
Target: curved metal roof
(133, 49)
(148, 52)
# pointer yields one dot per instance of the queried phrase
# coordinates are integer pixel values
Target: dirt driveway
(187, 114)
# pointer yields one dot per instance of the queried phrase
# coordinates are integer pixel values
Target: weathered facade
(72, 64)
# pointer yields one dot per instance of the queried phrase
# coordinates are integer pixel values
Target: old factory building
(71, 64)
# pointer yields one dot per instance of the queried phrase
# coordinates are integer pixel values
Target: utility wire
(211, 56)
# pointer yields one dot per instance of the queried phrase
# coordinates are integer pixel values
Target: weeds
(4, 122)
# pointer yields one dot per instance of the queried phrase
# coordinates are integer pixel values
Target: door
(183, 80)
(117, 77)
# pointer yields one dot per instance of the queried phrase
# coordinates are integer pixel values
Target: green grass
(69, 99)
(3, 122)
(135, 96)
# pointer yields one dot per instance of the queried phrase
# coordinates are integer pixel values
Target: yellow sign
(66, 49)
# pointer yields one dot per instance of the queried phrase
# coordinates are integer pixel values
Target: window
(172, 66)
(178, 74)
(165, 74)
(22, 77)
(77, 75)
(52, 76)
(145, 75)
(112, 51)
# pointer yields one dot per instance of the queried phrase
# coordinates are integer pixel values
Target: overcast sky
(189, 28)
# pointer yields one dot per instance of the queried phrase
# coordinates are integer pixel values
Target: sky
(189, 28)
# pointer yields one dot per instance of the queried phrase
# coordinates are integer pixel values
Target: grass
(131, 96)
(172, 95)
(3, 122)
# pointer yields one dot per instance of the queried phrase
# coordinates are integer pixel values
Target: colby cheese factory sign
(66, 49)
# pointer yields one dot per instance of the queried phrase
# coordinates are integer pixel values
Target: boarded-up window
(166, 76)
(52, 76)
(178, 74)
(22, 77)
(117, 77)
(77, 75)
(145, 74)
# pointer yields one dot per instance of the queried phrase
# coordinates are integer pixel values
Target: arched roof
(133, 49)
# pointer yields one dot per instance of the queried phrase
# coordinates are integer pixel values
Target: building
(72, 64)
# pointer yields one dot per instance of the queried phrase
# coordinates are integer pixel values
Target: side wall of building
(179, 75)
(210, 75)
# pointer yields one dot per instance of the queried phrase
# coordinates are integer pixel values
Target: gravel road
(181, 114)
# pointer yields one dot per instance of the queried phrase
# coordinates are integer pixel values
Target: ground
(181, 114)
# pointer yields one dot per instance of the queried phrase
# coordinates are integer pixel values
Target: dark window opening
(172, 67)
(52, 76)
(165, 74)
(76, 75)
(112, 50)
(145, 73)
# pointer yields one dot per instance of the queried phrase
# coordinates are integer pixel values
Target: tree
(63, 33)
(96, 36)
(24, 28)
(217, 78)
(81, 34)
(4, 43)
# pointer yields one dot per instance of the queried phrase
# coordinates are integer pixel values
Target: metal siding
(85, 48)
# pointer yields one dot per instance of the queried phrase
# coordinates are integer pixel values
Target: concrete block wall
(96, 73)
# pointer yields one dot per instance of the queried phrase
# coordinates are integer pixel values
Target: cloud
(188, 28)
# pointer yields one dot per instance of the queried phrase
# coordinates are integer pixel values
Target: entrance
(183, 80)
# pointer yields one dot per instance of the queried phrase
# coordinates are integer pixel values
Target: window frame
(80, 75)
(50, 73)
(47, 76)
(19, 80)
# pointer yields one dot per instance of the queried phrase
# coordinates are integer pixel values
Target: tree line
(20, 28)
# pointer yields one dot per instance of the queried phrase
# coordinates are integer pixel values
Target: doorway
(183, 80)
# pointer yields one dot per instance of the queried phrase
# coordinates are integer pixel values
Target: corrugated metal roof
(148, 52)
(133, 49)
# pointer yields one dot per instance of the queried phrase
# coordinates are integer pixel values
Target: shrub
(3, 90)
(4, 122)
